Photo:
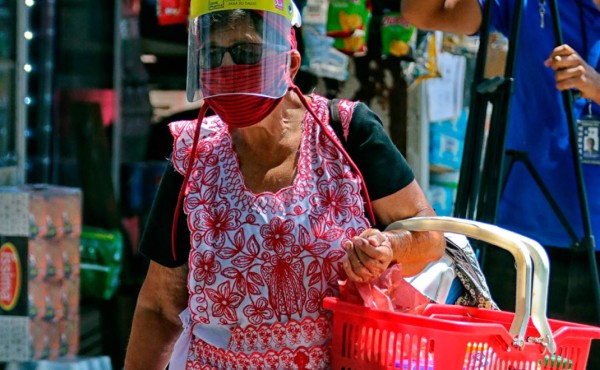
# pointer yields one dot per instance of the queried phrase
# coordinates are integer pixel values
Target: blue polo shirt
(538, 124)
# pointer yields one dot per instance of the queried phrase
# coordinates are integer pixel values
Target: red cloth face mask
(235, 91)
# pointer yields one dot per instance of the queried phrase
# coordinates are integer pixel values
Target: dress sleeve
(381, 164)
(156, 238)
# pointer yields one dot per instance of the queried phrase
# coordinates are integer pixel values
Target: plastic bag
(320, 57)
(425, 65)
(388, 292)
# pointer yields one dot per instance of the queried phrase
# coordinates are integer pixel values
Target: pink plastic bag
(389, 292)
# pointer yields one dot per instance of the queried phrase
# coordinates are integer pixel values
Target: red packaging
(172, 11)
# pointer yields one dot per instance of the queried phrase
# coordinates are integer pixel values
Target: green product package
(355, 45)
(346, 16)
(396, 35)
(347, 23)
(101, 262)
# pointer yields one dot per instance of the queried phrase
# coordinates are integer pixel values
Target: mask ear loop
(188, 173)
(365, 192)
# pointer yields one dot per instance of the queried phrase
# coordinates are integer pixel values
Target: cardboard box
(39, 272)
(447, 141)
(442, 199)
(442, 191)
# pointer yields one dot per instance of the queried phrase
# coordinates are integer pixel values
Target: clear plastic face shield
(239, 51)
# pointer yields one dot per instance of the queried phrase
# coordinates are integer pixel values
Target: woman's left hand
(368, 256)
(572, 72)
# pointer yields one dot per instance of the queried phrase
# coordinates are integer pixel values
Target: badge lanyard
(588, 126)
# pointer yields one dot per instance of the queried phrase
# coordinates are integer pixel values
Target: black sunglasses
(241, 53)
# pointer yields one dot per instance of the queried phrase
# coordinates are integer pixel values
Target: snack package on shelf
(348, 24)
(39, 272)
(396, 36)
(425, 64)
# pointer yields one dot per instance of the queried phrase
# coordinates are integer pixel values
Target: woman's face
(235, 43)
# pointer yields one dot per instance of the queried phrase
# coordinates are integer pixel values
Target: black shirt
(384, 169)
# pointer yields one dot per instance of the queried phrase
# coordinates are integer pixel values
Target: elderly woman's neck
(285, 120)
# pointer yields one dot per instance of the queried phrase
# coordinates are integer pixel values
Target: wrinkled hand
(368, 256)
(572, 72)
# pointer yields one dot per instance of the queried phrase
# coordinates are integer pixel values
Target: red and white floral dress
(261, 264)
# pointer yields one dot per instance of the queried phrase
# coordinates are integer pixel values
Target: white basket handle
(529, 302)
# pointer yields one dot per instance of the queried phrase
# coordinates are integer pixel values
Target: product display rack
(13, 86)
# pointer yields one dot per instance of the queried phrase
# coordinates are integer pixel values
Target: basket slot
(367, 342)
(478, 356)
(566, 357)
(390, 354)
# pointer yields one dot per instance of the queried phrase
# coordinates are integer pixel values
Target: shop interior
(87, 90)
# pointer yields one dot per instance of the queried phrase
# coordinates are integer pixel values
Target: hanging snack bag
(344, 17)
(355, 45)
(396, 36)
(425, 65)
(347, 22)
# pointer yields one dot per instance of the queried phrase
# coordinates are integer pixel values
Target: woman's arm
(156, 324)
(457, 16)
(373, 251)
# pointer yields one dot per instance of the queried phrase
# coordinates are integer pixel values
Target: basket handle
(529, 302)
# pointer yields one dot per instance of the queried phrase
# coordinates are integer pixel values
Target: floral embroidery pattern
(334, 200)
(277, 235)
(261, 260)
(214, 222)
(258, 312)
(225, 301)
(205, 267)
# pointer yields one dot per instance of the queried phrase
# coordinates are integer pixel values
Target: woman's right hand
(367, 256)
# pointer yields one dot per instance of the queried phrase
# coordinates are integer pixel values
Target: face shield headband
(253, 39)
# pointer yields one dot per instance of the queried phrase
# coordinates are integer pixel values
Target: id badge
(588, 139)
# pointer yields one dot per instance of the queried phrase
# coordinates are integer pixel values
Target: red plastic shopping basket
(451, 337)
(448, 337)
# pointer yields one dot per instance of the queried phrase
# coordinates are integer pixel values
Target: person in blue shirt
(537, 121)
(538, 126)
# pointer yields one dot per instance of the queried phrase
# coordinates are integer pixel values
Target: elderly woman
(275, 207)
